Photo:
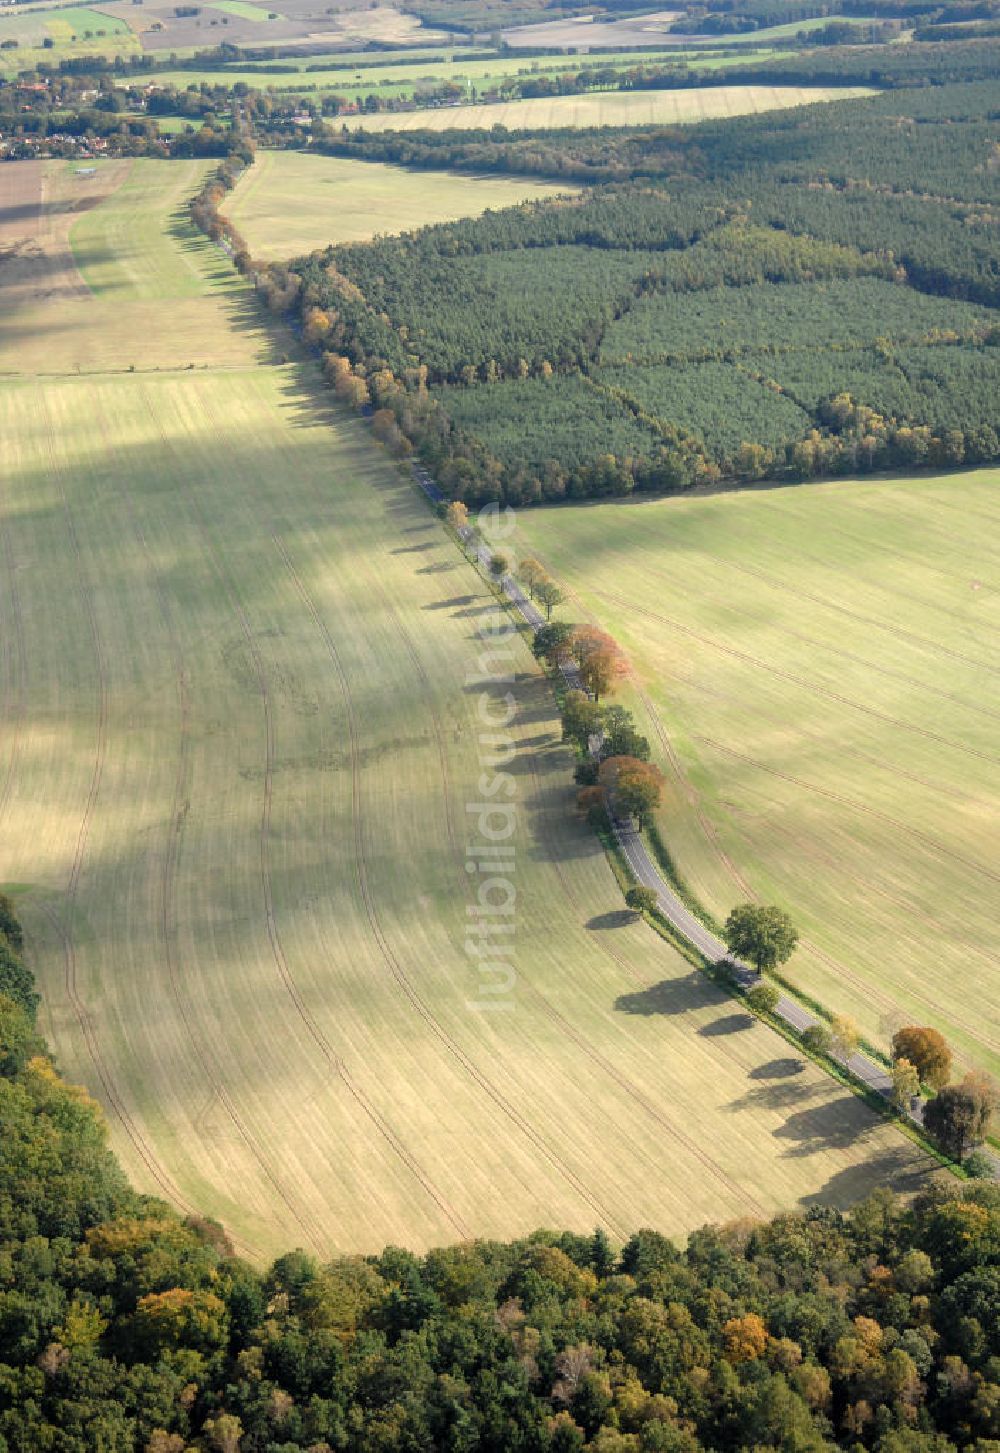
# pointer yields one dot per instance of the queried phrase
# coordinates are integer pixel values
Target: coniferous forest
(783, 296)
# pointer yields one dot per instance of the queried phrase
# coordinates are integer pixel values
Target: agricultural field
(93, 246)
(61, 33)
(608, 108)
(814, 667)
(241, 695)
(289, 203)
(291, 22)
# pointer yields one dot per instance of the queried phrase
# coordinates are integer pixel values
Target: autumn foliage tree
(599, 672)
(599, 659)
(637, 787)
(530, 572)
(905, 1083)
(457, 515)
(927, 1051)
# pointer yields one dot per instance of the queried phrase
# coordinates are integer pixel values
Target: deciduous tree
(581, 718)
(552, 644)
(817, 1039)
(549, 594)
(845, 1036)
(457, 516)
(599, 671)
(530, 572)
(641, 899)
(959, 1115)
(763, 998)
(927, 1051)
(905, 1083)
(764, 934)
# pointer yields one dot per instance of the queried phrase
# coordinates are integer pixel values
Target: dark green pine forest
(784, 296)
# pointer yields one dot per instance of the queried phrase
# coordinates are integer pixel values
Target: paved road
(795, 1015)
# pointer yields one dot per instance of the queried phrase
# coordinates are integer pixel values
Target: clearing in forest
(816, 667)
(242, 696)
(289, 203)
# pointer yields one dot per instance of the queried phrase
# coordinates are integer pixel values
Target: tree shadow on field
(617, 918)
(836, 1124)
(539, 743)
(670, 996)
(785, 1095)
(414, 549)
(456, 600)
(245, 314)
(902, 1170)
(778, 1069)
(728, 1024)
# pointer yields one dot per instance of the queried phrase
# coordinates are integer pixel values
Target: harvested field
(816, 668)
(609, 108)
(290, 203)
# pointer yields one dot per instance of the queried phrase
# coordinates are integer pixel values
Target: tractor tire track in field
(396, 969)
(883, 549)
(19, 672)
(459, 858)
(882, 764)
(760, 665)
(898, 632)
(168, 905)
(866, 988)
(704, 821)
(395, 1143)
(331, 1058)
(924, 838)
(62, 922)
(313, 1029)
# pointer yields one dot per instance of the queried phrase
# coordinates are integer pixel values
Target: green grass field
(240, 703)
(288, 203)
(609, 108)
(816, 669)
